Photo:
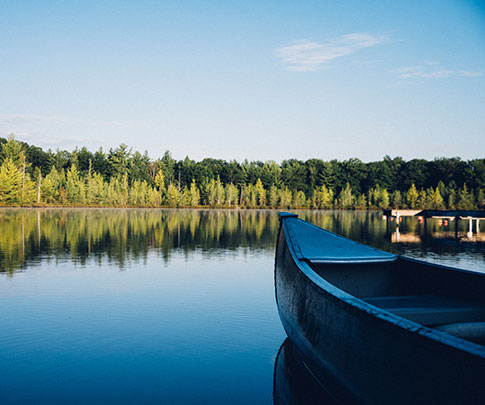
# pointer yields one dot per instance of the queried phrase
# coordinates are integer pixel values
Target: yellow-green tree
(412, 197)
(194, 195)
(173, 195)
(286, 196)
(10, 182)
(232, 194)
(299, 200)
(435, 200)
(260, 193)
(210, 190)
(160, 184)
(74, 186)
(422, 199)
(219, 193)
(273, 198)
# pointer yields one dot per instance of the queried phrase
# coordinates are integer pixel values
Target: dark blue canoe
(378, 327)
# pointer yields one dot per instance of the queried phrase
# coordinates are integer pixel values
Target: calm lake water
(164, 306)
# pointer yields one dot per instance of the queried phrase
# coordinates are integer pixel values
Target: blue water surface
(151, 306)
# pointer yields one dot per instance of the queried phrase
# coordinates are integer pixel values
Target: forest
(30, 176)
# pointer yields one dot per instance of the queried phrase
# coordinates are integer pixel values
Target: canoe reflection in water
(293, 383)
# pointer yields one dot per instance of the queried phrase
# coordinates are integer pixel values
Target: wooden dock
(474, 214)
(452, 215)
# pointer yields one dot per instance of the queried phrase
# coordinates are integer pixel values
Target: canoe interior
(447, 299)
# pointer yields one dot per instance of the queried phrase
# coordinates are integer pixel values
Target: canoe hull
(366, 358)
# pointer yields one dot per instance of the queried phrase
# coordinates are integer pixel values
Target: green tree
(231, 195)
(10, 182)
(299, 200)
(273, 196)
(422, 200)
(173, 195)
(12, 150)
(194, 195)
(361, 201)
(260, 193)
(219, 193)
(74, 186)
(435, 200)
(211, 193)
(323, 197)
(465, 199)
(286, 197)
(412, 197)
(383, 198)
(345, 198)
(480, 199)
(397, 199)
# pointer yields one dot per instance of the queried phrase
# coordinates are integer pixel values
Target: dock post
(470, 227)
(478, 226)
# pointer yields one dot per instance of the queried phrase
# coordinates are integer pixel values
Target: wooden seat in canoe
(430, 310)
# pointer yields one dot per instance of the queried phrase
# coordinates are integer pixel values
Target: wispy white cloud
(27, 119)
(51, 131)
(432, 71)
(308, 56)
(31, 119)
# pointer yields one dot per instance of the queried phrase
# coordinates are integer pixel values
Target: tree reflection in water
(118, 235)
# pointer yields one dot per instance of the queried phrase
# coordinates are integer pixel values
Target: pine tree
(273, 196)
(383, 198)
(435, 200)
(194, 195)
(231, 195)
(396, 199)
(74, 186)
(361, 201)
(299, 200)
(260, 193)
(285, 199)
(422, 199)
(10, 182)
(465, 199)
(412, 197)
(480, 199)
(219, 193)
(173, 195)
(211, 193)
(12, 150)
(345, 197)
(160, 183)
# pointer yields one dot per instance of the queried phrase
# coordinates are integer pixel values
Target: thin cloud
(308, 56)
(30, 119)
(432, 71)
(49, 131)
(26, 119)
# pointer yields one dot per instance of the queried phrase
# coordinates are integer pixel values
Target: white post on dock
(478, 226)
(470, 227)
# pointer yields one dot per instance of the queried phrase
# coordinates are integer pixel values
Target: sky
(256, 80)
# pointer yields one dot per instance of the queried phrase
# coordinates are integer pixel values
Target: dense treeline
(119, 177)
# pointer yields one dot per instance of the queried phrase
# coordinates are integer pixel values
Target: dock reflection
(293, 384)
(462, 237)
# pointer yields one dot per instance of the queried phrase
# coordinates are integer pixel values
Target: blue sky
(259, 80)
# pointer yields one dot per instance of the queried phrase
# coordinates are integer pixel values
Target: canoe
(377, 327)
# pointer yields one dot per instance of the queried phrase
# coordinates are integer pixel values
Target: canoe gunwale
(351, 303)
